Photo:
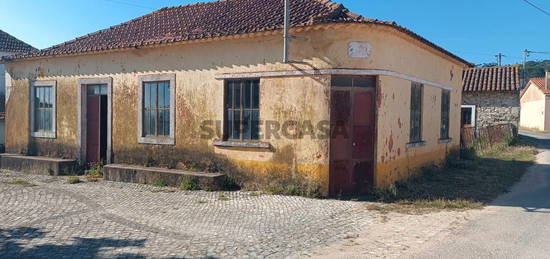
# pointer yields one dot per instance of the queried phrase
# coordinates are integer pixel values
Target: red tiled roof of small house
(492, 79)
(212, 20)
(11, 44)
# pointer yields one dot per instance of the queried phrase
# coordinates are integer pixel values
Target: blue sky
(473, 29)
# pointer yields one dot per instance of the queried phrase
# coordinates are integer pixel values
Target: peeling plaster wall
(494, 108)
(396, 161)
(199, 96)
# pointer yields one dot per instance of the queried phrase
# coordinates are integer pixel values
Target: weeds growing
(21, 182)
(467, 183)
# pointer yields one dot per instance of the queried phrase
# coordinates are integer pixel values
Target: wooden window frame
(416, 138)
(157, 140)
(226, 130)
(445, 130)
(43, 134)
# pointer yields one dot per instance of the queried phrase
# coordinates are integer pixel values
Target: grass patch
(21, 182)
(284, 183)
(190, 184)
(73, 179)
(467, 183)
(95, 173)
(223, 198)
(159, 183)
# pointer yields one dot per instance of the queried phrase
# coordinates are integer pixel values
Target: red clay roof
(540, 82)
(9, 43)
(214, 19)
(491, 79)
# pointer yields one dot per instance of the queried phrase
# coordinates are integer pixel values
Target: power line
(536, 7)
(130, 4)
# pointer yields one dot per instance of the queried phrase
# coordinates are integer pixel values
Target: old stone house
(535, 104)
(491, 96)
(362, 103)
(9, 45)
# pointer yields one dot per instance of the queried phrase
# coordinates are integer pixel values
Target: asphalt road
(516, 225)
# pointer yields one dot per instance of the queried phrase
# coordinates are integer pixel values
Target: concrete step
(170, 177)
(38, 164)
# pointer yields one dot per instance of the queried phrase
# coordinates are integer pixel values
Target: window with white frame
(43, 109)
(157, 109)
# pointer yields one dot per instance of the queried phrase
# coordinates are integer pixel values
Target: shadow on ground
(13, 245)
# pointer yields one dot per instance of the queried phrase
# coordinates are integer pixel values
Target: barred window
(445, 109)
(156, 108)
(416, 113)
(242, 110)
(43, 108)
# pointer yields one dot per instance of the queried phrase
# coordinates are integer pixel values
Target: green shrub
(95, 172)
(159, 183)
(190, 184)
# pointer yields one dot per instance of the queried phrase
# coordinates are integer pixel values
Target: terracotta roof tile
(214, 19)
(491, 79)
(9, 43)
(540, 82)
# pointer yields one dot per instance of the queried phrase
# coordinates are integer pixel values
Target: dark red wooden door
(93, 132)
(352, 140)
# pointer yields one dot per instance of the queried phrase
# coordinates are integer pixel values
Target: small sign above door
(358, 49)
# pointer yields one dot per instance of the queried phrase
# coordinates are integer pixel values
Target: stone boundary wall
(494, 108)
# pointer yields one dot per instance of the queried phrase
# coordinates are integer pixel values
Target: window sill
(156, 141)
(444, 140)
(416, 144)
(43, 134)
(239, 144)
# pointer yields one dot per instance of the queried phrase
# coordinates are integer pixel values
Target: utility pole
(525, 56)
(499, 58)
(286, 31)
(287, 36)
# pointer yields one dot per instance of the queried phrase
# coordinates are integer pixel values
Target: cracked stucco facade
(199, 97)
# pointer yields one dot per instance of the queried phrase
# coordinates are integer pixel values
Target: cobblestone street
(109, 219)
(54, 219)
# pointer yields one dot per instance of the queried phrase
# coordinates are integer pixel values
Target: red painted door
(363, 140)
(93, 126)
(353, 107)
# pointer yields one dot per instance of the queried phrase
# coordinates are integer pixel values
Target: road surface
(516, 225)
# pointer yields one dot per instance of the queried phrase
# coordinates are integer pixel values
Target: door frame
(376, 107)
(82, 112)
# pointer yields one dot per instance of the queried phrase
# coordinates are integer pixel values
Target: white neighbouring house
(9, 45)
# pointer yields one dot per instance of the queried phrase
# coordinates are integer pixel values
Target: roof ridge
(194, 4)
(25, 47)
(157, 27)
(494, 67)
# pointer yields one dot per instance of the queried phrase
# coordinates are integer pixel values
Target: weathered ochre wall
(533, 109)
(396, 52)
(199, 97)
(396, 161)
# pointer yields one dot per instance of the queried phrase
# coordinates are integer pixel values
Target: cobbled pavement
(121, 220)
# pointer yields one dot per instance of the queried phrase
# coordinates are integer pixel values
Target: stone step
(170, 177)
(38, 164)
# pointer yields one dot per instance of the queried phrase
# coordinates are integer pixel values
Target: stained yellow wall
(533, 109)
(200, 96)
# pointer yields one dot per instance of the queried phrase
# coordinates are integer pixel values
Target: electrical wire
(536, 7)
(130, 4)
